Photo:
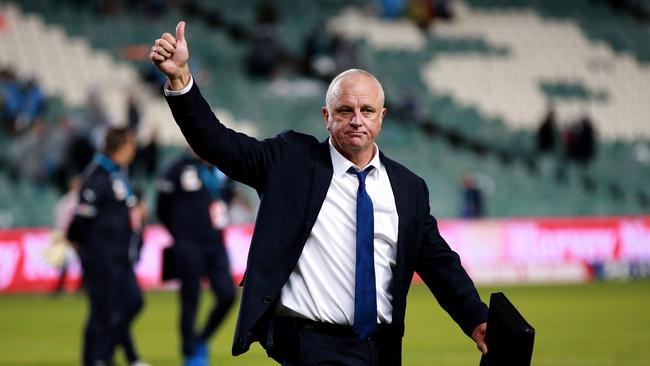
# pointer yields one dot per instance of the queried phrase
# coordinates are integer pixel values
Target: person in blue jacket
(192, 199)
(107, 232)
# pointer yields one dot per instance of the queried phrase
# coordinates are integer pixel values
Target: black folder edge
(516, 315)
(515, 319)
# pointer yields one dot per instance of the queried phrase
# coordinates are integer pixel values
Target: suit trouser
(115, 299)
(192, 262)
(304, 343)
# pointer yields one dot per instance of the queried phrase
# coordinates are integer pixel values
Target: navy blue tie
(365, 294)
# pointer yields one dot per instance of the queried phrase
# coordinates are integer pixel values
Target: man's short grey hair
(333, 88)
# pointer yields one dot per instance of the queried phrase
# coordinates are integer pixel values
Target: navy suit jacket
(292, 172)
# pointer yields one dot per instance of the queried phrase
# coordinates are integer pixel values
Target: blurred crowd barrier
(535, 250)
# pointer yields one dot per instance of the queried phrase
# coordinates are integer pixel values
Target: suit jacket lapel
(321, 178)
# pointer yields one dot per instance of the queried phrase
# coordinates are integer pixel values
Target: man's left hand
(478, 335)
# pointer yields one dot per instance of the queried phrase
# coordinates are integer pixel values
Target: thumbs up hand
(170, 55)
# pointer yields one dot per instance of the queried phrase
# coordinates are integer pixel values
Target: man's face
(355, 115)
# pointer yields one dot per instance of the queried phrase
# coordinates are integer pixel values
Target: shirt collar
(341, 164)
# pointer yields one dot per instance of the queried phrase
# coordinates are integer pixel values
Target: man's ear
(326, 115)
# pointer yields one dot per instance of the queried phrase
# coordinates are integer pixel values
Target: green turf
(596, 324)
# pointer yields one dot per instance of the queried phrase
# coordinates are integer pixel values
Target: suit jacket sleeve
(440, 268)
(241, 157)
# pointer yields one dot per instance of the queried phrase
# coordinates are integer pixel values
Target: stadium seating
(469, 75)
(480, 78)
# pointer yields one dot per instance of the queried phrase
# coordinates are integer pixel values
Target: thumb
(180, 31)
(482, 347)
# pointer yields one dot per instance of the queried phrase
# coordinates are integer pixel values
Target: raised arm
(239, 156)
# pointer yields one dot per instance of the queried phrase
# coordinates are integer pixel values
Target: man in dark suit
(340, 231)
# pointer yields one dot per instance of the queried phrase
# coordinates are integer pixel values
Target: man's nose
(356, 119)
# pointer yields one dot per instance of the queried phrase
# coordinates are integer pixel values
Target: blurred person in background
(8, 88)
(146, 158)
(586, 140)
(95, 117)
(345, 54)
(422, 13)
(408, 107)
(32, 104)
(57, 145)
(326, 54)
(391, 9)
(27, 154)
(107, 231)
(133, 113)
(192, 205)
(324, 285)
(267, 56)
(580, 141)
(316, 59)
(471, 198)
(22, 102)
(547, 133)
(80, 152)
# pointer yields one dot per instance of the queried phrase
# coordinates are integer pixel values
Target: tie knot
(361, 174)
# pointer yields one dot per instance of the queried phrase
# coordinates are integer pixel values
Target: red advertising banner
(492, 251)
(31, 259)
(547, 250)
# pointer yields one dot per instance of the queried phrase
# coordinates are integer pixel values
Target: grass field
(597, 324)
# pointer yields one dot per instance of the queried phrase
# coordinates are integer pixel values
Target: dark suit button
(267, 299)
(288, 268)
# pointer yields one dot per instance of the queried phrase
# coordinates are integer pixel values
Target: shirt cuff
(175, 93)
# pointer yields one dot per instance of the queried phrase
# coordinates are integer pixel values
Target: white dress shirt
(321, 287)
